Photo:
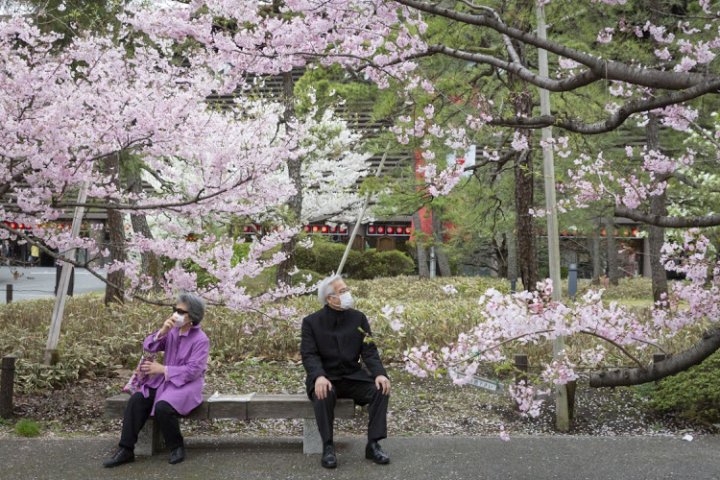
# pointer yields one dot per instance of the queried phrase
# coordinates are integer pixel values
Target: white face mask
(346, 300)
(179, 319)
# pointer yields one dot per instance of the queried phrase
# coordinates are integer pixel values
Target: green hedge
(324, 258)
(693, 395)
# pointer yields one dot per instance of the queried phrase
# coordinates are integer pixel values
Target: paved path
(413, 458)
(39, 282)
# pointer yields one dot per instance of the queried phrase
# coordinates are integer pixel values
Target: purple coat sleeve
(179, 375)
(152, 345)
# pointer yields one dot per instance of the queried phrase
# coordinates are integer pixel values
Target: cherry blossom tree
(69, 111)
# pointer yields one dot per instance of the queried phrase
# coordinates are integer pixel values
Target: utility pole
(562, 410)
(61, 295)
(360, 217)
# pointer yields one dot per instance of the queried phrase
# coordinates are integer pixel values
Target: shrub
(390, 264)
(324, 258)
(693, 395)
(27, 428)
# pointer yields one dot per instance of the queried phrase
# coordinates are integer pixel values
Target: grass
(27, 428)
(95, 344)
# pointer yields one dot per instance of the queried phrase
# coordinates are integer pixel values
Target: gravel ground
(418, 407)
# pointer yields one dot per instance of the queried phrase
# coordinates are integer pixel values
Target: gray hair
(325, 287)
(195, 306)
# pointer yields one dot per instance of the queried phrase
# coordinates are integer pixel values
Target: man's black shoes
(123, 455)
(374, 452)
(177, 455)
(329, 460)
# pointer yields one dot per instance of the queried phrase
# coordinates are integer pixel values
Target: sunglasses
(180, 311)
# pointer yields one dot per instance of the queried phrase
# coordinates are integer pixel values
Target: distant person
(34, 254)
(171, 390)
(333, 341)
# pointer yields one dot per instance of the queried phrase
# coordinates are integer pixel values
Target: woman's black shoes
(123, 455)
(177, 455)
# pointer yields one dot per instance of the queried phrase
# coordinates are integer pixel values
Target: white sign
(484, 383)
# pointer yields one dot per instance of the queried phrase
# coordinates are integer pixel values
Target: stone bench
(239, 407)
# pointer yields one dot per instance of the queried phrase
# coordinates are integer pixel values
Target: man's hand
(151, 368)
(322, 388)
(167, 326)
(383, 383)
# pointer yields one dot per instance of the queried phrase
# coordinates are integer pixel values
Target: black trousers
(137, 411)
(363, 393)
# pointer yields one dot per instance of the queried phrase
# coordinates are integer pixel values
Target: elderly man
(170, 390)
(333, 341)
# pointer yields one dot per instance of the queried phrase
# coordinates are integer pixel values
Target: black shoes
(177, 455)
(374, 452)
(123, 455)
(329, 460)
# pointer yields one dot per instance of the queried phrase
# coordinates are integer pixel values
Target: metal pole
(62, 291)
(355, 229)
(562, 410)
(9, 293)
(572, 280)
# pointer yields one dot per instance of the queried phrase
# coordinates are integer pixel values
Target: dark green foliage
(324, 258)
(693, 395)
(390, 264)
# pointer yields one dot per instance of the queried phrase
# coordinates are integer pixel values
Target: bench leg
(149, 440)
(312, 443)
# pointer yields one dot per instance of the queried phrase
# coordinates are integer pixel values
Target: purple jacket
(186, 357)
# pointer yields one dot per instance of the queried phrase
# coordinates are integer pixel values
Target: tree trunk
(295, 173)
(151, 264)
(595, 253)
(708, 345)
(612, 253)
(522, 101)
(658, 206)
(443, 262)
(525, 225)
(116, 231)
(422, 255)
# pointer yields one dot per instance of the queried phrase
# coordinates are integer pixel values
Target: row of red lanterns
(17, 226)
(389, 230)
(326, 229)
(22, 226)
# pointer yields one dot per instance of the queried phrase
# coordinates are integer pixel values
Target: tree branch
(711, 220)
(614, 120)
(616, 345)
(565, 85)
(708, 345)
(607, 69)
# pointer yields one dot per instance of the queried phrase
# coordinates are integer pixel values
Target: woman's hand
(151, 368)
(167, 326)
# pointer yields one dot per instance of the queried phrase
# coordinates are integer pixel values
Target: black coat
(332, 345)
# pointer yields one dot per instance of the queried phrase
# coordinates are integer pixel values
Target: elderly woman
(170, 390)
